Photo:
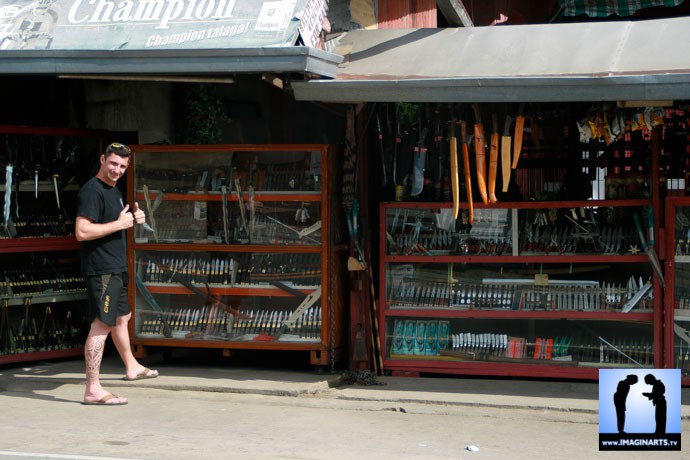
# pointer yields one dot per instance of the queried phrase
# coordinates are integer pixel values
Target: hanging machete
(493, 160)
(480, 153)
(454, 178)
(468, 172)
(506, 142)
(419, 162)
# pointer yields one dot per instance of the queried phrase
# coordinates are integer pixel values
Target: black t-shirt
(102, 203)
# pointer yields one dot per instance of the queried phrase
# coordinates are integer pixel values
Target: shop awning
(607, 61)
(163, 37)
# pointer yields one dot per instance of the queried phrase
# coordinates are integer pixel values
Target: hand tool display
(564, 349)
(301, 270)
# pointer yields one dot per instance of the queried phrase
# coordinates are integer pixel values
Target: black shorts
(107, 297)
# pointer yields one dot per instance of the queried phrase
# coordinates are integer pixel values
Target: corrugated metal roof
(553, 62)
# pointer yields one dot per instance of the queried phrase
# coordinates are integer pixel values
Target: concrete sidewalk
(204, 377)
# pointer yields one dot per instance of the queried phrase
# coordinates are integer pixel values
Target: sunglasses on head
(117, 147)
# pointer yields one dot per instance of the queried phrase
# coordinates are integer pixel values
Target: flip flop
(145, 374)
(104, 401)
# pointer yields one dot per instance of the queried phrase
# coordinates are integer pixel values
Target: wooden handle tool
(517, 139)
(454, 178)
(493, 161)
(506, 144)
(468, 172)
(480, 154)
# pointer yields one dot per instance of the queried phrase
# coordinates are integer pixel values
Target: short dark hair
(118, 149)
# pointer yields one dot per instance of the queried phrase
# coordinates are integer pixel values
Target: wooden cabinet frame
(323, 199)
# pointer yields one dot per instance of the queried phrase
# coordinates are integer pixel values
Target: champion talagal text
(162, 12)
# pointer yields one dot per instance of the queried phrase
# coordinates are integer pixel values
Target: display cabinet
(42, 292)
(532, 289)
(677, 293)
(242, 249)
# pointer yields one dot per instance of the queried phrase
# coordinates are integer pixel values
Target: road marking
(9, 454)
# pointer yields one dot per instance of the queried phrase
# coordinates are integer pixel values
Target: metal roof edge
(301, 59)
(518, 89)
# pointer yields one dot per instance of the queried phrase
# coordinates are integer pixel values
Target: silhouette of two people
(656, 396)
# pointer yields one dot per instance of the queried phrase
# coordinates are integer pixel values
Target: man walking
(101, 222)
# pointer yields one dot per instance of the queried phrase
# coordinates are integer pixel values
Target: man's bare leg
(93, 356)
(120, 336)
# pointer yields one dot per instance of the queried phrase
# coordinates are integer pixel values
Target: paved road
(211, 413)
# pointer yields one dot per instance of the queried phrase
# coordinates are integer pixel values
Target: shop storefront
(537, 229)
(237, 191)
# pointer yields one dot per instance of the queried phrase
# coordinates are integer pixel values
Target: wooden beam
(455, 12)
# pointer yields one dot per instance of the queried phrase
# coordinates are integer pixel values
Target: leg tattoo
(93, 353)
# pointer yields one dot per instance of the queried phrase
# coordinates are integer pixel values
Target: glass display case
(677, 294)
(549, 289)
(241, 248)
(41, 289)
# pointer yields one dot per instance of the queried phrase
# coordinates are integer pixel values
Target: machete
(480, 153)
(454, 178)
(468, 173)
(419, 163)
(493, 160)
(506, 141)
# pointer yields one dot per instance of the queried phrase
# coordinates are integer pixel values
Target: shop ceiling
(594, 61)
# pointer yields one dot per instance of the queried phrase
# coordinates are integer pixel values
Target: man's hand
(126, 219)
(139, 216)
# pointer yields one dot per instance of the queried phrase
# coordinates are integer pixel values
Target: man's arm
(86, 230)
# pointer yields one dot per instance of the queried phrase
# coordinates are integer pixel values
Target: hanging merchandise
(480, 153)
(454, 178)
(349, 190)
(493, 160)
(419, 162)
(506, 141)
(468, 173)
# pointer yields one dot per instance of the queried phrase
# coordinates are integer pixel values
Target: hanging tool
(506, 142)
(151, 209)
(224, 201)
(419, 162)
(10, 231)
(437, 148)
(383, 158)
(493, 160)
(468, 173)
(649, 251)
(396, 147)
(454, 178)
(517, 137)
(244, 228)
(480, 153)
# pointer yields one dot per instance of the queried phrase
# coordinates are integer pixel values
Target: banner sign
(157, 24)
